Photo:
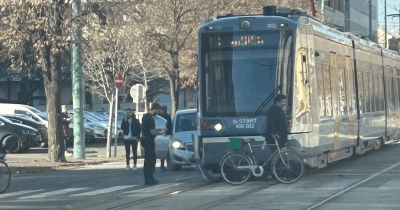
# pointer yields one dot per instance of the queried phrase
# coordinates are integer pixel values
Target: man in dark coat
(276, 125)
(166, 116)
(131, 127)
(276, 121)
(148, 135)
(66, 121)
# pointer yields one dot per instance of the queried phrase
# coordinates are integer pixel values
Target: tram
(343, 91)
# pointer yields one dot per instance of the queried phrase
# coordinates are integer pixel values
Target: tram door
(340, 96)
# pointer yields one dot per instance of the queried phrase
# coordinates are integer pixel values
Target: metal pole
(347, 16)
(385, 26)
(115, 123)
(370, 20)
(109, 131)
(78, 91)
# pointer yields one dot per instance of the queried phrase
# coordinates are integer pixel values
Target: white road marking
(154, 188)
(105, 190)
(18, 193)
(57, 192)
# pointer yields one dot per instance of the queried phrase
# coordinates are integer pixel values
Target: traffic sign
(119, 81)
(137, 92)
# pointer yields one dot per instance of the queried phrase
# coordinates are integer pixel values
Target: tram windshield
(239, 69)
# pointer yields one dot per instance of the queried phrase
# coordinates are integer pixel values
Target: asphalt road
(371, 181)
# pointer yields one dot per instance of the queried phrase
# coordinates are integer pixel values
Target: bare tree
(115, 48)
(46, 24)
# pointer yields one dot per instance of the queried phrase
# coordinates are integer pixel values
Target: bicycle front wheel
(231, 171)
(5, 176)
(287, 167)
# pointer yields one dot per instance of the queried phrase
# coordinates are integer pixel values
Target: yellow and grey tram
(343, 91)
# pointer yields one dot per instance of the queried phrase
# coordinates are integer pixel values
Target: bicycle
(5, 172)
(238, 164)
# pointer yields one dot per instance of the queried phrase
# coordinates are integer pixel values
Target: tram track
(163, 195)
(352, 187)
(236, 196)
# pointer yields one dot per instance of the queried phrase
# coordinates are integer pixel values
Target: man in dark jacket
(276, 125)
(66, 121)
(148, 135)
(166, 116)
(131, 127)
(276, 121)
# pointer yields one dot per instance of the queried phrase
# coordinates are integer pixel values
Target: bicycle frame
(258, 169)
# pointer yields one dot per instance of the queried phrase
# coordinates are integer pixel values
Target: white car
(178, 147)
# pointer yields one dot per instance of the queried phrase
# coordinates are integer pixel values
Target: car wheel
(171, 166)
(12, 143)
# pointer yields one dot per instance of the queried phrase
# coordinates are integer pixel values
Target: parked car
(92, 127)
(17, 137)
(178, 148)
(29, 111)
(25, 120)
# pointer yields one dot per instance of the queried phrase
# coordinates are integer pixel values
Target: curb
(61, 167)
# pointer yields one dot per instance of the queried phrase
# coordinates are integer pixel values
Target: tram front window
(239, 70)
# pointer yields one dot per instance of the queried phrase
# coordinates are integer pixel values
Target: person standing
(276, 125)
(131, 128)
(66, 121)
(148, 135)
(166, 116)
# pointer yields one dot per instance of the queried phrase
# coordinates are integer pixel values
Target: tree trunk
(53, 102)
(174, 84)
(52, 79)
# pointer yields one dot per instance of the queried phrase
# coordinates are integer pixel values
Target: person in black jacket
(131, 128)
(148, 135)
(166, 116)
(277, 123)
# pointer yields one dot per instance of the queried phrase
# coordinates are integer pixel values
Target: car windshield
(4, 119)
(43, 116)
(186, 122)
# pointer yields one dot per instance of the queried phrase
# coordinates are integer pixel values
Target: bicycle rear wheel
(5, 176)
(287, 167)
(230, 171)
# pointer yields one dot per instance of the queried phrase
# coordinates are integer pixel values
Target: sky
(392, 7)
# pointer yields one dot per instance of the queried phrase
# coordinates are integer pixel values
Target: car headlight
(177, 144)
(218, 127)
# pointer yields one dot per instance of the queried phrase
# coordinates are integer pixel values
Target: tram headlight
(218, 127)
(177, 144)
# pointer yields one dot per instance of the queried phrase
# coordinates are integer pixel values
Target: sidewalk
(36, 160)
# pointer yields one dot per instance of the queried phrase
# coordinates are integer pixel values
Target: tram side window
(320, 89)
(361, 92)
(342, 97)
(327, 90)
(381, 95)
(389, 89)
(376, 93)
(367, 94)
(396, 94)
(372, 92)
(349, 85)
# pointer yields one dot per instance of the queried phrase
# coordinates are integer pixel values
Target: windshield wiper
(267, 100)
